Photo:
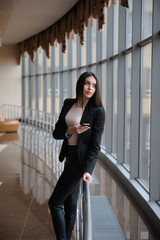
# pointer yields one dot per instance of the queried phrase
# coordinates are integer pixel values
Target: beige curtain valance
(74, 20)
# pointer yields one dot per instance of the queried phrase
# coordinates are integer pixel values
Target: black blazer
(88, 146)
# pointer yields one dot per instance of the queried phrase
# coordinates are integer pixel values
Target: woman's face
(89, 87)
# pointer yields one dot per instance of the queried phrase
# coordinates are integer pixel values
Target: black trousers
(63, 201)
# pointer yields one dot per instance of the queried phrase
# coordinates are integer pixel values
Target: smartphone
(86, 124)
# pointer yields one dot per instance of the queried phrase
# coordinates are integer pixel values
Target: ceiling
(21, 19)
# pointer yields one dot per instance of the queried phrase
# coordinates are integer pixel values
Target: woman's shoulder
(96, 109)
(99, 109)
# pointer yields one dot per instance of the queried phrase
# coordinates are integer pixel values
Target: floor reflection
(9, 137)
(40, 165)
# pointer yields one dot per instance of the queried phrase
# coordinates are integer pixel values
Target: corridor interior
(29, 169)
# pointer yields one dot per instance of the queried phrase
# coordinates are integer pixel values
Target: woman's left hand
(87, 176)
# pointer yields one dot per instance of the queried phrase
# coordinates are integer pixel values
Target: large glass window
(74, 50)
(104, 84)
(65, 57)
(48, 92)
(104, 37)
(33, 87)
(129, 25)
(26, 67)
(115, 27)
(26, 91)
(65, 85)
(127, 140)
(48, 61)
(146, 18)
(115, 108)
(57, 93)
(40, 92)
(84, 49)
(94, 41)
(33, 67)
(145, 114)
(73, 82)
(41, 52)
(57, 57)
(104, 96)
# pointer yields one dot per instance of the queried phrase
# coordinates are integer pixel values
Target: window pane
(33, 67)
(48, 61)
(104, 84)
(41, 93)
(57, 94)
(104, 37)
(33, 82)
(48, 93)
(26, 91)
(65, 57)
(104, 97)
(127, 149)
(40, 60)
(84, 49)
(144, 164)
(129, 25)
(57, 57)
(115, 27)
(74, 51)
(94, 41)
(26, 57)
(74, 82)
(146, 18)
(93, 69)
(65, 85)
(115, 108)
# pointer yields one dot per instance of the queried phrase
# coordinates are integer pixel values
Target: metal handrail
(87, 217)
(84, 229)
(31, 116)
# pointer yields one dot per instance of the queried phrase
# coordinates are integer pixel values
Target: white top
(73, 117)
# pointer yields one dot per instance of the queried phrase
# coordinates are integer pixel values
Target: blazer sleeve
(60, 126)
(94, 144)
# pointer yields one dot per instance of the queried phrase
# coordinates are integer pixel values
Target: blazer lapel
(87, 114)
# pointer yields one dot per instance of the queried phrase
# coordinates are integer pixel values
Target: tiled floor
(27, 177)
(21, 215)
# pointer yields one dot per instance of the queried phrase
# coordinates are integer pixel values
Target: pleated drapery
(74, 20)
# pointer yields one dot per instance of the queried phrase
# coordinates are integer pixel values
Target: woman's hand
(87, 176)
(77, 129)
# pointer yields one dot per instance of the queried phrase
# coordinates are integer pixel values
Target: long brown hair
(96, 98)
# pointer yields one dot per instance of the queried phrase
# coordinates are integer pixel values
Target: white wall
(10, 76)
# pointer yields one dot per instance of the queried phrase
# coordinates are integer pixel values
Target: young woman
(80, 124)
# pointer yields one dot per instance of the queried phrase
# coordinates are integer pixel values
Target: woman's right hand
(78, 129)
(87, 176)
